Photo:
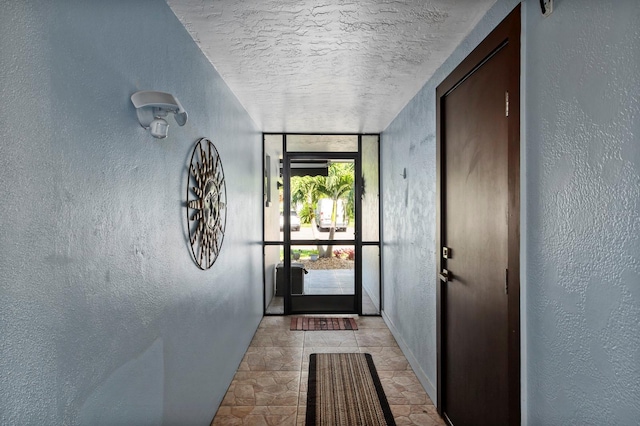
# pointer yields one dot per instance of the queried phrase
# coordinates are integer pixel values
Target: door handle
(445, 276)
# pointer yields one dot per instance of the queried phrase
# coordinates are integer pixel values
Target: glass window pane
(322, 143)
(371, 195)
(274, 294)
(370, 280)
(323, 207)
(313, 275)
(272, 187)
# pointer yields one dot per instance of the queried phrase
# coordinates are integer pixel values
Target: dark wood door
(475, 228)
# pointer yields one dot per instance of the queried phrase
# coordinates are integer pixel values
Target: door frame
(322, 304)
(343, 305)
(505, 36)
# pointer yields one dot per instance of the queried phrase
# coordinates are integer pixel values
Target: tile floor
(270, 386)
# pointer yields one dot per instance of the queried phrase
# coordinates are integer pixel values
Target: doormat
(322, 323)
(345, 390)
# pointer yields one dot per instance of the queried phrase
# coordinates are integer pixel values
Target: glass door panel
(334, 275)
(323, 203)
(321, 231)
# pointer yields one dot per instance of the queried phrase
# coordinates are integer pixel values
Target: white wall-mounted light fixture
(547, 7)
(152, 108)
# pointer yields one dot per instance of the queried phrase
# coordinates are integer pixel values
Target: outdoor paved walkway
(328, 281)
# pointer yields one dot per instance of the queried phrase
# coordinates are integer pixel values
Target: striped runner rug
(322, 323)
(345, 390)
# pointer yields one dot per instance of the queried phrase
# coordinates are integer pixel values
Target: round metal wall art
(206, 204)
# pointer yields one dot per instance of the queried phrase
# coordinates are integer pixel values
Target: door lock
(446, 252)
(444, 276)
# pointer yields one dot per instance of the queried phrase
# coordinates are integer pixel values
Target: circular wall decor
(206, 203)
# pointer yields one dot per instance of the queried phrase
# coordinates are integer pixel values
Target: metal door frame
(321, 303)
(342, 303)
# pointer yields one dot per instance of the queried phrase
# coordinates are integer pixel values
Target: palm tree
(336, 185)
(303, 191)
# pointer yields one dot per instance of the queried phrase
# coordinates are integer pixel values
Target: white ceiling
(327, 66)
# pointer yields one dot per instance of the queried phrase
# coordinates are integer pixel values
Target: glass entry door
(315, 259)
(320, 232)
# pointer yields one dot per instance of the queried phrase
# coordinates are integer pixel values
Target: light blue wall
(581, 213)
(104, 317)
(408, 214)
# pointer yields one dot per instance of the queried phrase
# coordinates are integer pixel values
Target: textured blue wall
(580, 213)
(104, 317)
(583, 213)
(409, 262)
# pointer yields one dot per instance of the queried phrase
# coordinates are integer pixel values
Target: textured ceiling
(327, 66)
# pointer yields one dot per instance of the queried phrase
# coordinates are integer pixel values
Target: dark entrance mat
(345, 390)
(322, 323)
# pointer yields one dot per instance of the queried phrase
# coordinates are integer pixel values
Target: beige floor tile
(301, 418)
(278, 322)
(419, 415)
(375, 337)
(277, 388)
(256, 416)
(304, 386)
(403, 388)
(302, 400)
(370, 322)
(330, 338)
(271, 359)
(433, 412)
(304, 380)
(271, 384)
(387, 357)
(266, 337)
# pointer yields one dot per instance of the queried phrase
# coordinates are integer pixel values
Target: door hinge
(506, 104)
(506, 281)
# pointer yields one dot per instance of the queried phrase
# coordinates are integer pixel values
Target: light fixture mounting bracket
(547, 7)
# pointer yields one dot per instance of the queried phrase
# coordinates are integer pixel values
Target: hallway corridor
(270, 385)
